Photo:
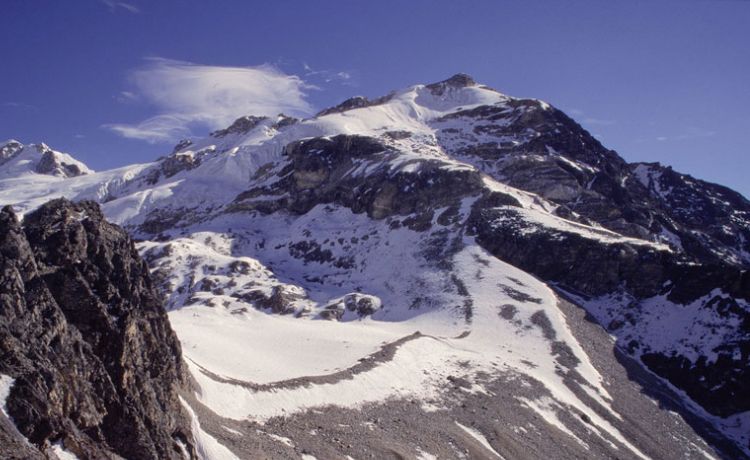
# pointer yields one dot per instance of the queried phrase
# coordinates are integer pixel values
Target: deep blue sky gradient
(655, 80)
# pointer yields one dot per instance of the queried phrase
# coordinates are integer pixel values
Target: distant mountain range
(442, 272)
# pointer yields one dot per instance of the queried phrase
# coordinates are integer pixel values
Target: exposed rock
(542, 150)
(41, 159)
(360, 305)
(356, 102)
(320, 171)
(9, 150)
(182, 145)
(460, 80)
(240, 126)
(284, 121)
(279, 301)
(50, 164)
(95, 362)
(178, 162)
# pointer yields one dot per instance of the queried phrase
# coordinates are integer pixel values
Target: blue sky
(113, 82)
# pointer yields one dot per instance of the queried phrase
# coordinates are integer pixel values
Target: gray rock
(95, 362)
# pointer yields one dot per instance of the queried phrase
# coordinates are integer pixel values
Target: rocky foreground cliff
(89, 363)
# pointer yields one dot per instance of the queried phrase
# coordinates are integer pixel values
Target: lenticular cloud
(188, 95)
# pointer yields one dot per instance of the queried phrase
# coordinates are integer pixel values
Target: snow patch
(207, 447)
(6, 384)
(61, 453)
(476, 434)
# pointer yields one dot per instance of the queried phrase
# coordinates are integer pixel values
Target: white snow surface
(6, 383)
(206, 446)
(477, 435)
(63, 454)
(235, 344)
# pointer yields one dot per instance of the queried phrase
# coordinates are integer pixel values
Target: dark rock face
(280, 300)
(240, 126)
(460, 80)
(359, 304)
(182, 145)
(712, 221)
(176, 163)
(284, 121)
(323, 170)
(50, 164)
(716, 386)
(584, 264)
(95, 363)
(356, 102)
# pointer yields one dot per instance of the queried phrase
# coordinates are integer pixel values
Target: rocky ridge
(93, 365)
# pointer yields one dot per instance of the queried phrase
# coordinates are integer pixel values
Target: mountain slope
(443, 226)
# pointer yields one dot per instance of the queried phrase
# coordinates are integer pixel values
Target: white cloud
(587, 120)
(188, 96)
(326, 76)
(19, 105)
(114, 5)
(160, 128)
(126, 96)
(689, 134)
(597, 122)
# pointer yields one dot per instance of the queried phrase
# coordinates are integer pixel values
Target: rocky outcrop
(94, 362)
(240, 126)
(460, 80)
(707, 220)
(9, 150)
(182, 145)
(324, 170)
(360, 305)
(356, 102)
(52, 165)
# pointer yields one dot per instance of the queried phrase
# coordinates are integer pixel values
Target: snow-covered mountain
(408, 276)
(18, 160)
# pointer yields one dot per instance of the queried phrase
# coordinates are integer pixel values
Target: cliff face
(93, 362)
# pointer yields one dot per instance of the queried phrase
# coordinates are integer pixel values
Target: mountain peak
(8, 149)
(240, 125)
(17, 159)
(459, 80)
(8, 142)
